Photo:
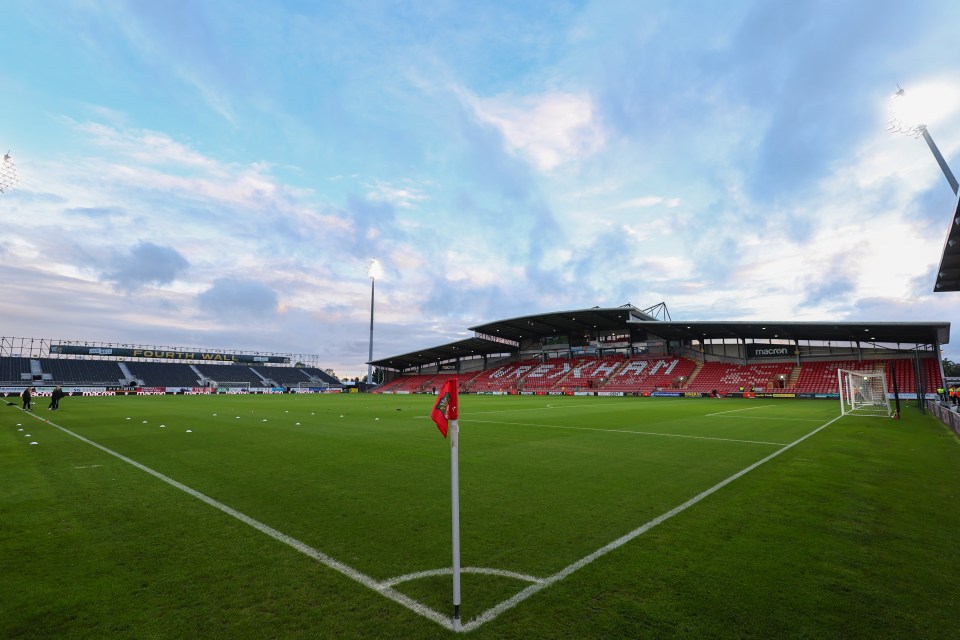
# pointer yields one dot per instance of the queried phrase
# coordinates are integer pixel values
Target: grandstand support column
(937, 352)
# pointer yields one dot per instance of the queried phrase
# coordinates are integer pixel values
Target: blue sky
(218, 174)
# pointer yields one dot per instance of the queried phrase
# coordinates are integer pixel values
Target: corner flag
(446, 407)
(446, 413)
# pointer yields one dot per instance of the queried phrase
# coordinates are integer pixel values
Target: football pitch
(328, 516)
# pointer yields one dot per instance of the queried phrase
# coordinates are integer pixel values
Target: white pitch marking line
(767, 418)
(303, 548)
(638, 433)
(417, 607)
(495, 611)
(572, 405)
(763, 406)
(720, 414)
(449, 571)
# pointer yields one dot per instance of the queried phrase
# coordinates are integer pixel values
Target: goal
(863, 393)
(311, 387)
(231, 386)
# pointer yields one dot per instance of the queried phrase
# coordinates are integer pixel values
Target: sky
(218, 174)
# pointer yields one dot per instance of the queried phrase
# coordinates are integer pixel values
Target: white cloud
(401, 196)
(550, 129)
(644, 202)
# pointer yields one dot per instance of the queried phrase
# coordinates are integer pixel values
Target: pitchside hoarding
(126, 352)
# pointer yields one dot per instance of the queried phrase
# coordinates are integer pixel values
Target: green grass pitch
(848, 533)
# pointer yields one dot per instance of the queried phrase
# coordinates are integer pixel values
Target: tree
(951, 369)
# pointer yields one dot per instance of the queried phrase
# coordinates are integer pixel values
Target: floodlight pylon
(905, 121)
(374, 271)
(8, 173)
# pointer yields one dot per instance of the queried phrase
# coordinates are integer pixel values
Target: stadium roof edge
(504, 336)
(512, 330)
(563, 321)
(948, 275)
(874, 332)
(468, 347)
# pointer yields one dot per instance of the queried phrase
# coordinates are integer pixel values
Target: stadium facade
(626, 351)
(101, 368)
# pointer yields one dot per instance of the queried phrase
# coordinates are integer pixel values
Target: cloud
(237, 299)
(401, 196)
(146, 263)
(549, 129)
(96, 212)
(644, 202)
(146, 146)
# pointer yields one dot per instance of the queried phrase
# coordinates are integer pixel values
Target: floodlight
(906, 116)
(8, 173)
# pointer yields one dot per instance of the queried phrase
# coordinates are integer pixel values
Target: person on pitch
(55, 398)
(26, 395)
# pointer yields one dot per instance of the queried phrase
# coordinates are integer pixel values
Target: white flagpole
(455, 502)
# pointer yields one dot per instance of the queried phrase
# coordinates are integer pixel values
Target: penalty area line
(383, 589)
(720, 413)
(628, 431)
(508, 604)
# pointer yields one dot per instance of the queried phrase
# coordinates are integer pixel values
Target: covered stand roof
(563, 323)
(513, 330)
(948, 275)
(505, 336)
(884, 332)
(432, 355)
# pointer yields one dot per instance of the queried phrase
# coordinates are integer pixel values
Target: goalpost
(863, 393)
(231, 386)
(305, 387)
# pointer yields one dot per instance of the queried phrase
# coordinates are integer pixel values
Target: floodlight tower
(905, 118)
(373, 270)
(8, 173)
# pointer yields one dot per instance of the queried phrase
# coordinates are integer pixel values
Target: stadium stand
(12, 368)
(95, 372)
(907, 376)
(573, 374)
(164, 374)
(410, 384)
(501, 379)
(437, 381)
(545, 375)
(322, 376)
(726, 377)
(591, 373)
(230, 373)
(284, 376)
(647, 374)
(821, 377)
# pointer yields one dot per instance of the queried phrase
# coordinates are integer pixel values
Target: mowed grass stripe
(622, 540)
(368, 488)
(630, 431)
(319, 556)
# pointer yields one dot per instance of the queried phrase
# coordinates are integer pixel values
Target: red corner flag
(447, 407)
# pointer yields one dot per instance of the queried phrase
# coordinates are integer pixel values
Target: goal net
(863, 393)
(231, 386)
(305, 387)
